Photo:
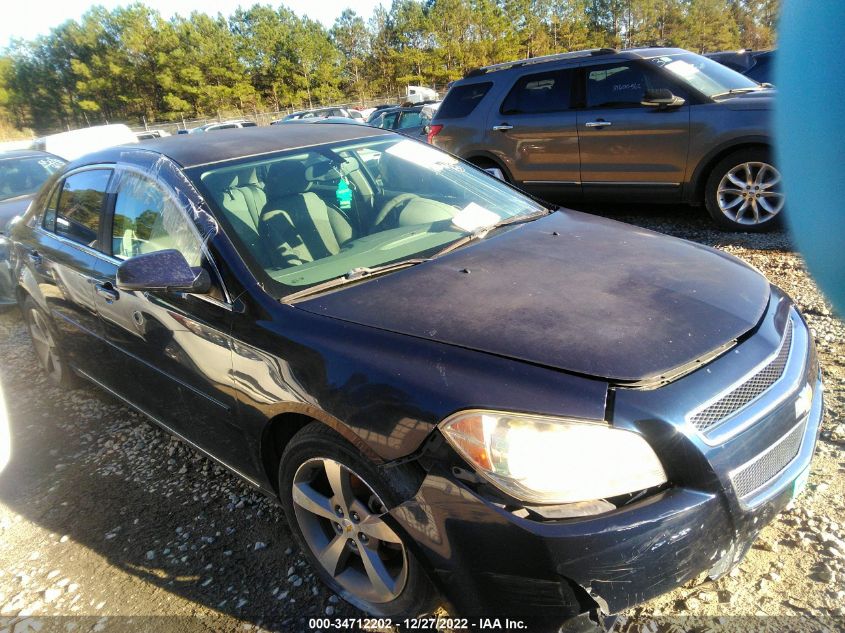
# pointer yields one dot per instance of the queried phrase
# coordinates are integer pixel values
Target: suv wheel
(44, 341)
(335, 502)
(743, 192)
(490, 167)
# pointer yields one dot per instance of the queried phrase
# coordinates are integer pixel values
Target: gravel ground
(107, 521)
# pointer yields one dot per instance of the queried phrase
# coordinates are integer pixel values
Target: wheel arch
(479, 157)
(706, 165)
(282, 427)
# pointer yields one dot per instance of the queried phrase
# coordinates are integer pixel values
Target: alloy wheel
(750, 193)
(342, 521)
(45, 346)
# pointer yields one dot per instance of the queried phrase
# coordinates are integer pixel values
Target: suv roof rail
(540, 60)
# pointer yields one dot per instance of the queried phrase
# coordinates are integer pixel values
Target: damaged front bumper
(491, 561)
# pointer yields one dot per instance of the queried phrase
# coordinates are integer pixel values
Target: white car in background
(76, 143)
(148, 135)
(223, 125)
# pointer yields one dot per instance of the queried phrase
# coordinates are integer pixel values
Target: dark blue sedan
(459, 395)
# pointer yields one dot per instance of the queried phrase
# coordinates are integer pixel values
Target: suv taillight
(433, 130)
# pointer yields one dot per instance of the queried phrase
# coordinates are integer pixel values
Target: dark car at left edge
(22, 172)
(461, 396)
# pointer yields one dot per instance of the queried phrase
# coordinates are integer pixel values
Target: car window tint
(80, 206)
(538, 93)
(461, 100)
(621, 85)
(147, 218)
(410, 119)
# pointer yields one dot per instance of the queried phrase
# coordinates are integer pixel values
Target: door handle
(599, 124)
(107, 292)
(502, 127)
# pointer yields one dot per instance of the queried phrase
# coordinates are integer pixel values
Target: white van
(420, 94)
(76, 143)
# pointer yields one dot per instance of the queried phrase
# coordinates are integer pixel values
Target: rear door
(174, 347)
(534, 131)
(628, 149)
(64, 257)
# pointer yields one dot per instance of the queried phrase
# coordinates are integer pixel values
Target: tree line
(130, 63)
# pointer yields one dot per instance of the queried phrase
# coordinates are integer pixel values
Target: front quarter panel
(387, 390)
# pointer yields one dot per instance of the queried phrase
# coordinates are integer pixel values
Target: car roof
(192, 150)
(600, 55)
(25, 153)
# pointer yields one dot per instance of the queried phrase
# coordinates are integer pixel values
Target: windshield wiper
(355, 274)
(484, 230)
(735, 91)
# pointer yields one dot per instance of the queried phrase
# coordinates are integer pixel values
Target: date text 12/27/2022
(418, 624)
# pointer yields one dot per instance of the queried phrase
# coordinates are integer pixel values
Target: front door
(175, 347)
(628, 149)
(534, 133)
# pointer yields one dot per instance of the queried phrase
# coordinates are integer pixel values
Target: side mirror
(661, 98)
(166, 270)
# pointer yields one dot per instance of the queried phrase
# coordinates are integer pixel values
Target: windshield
(24, 176)
(705, 75)
(308, 216)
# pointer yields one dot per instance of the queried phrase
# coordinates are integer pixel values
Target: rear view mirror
(166, 270)
(661, 98)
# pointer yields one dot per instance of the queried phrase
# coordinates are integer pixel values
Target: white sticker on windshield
(473, 217)
(422, 155)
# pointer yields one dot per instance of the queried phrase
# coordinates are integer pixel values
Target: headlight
(540, 459)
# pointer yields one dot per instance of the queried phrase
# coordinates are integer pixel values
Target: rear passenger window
(148, 219)
(461, 100)
(80, 206)
(542, 92)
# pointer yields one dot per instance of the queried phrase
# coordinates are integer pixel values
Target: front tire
(45, 343)
(336, 504)
(743, 192)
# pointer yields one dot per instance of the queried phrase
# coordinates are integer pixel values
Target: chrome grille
(746, 392)
(763, 468)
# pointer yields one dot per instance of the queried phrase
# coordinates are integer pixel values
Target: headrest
(286, 178)
(221, 181)
(247, 177)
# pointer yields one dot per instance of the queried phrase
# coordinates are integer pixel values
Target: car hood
(569, 291)
(11, 208)
(758, 100)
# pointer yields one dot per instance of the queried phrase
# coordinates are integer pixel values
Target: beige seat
(302, 226)
(233, 202)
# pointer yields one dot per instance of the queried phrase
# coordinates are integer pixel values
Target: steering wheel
(391, 205)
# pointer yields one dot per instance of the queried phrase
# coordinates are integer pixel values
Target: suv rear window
(540, 92)
(461, 100)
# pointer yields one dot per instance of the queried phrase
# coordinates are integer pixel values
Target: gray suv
(651, 124)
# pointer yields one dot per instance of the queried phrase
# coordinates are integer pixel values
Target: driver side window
(147, 219)
(622, 85)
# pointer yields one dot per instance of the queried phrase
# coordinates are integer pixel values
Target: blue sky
(25, 20)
